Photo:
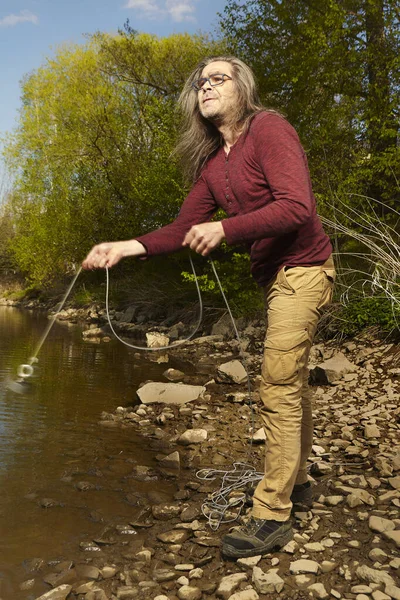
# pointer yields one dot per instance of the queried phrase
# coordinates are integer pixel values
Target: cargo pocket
(283, 354)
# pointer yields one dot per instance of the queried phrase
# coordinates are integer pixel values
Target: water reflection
(50, 439)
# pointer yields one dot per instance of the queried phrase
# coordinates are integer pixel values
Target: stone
(331, 370)
(250, 562)
(361, 589)
(372, 432)
(318, 590)
(174, 375)
(108, 572)
(249, 594)
(395, 482)
(193, 436)
(186, 592)
(173, 537)
(196, 573)
(378, 595)
(229, 584)
(259, 436)
(172, 461)
(164, 512)
(393, 591)
(314, 547)
(162, 575)
(304, 566)
(96, 594)
(380, 524)
(378, 555)
(156, 340)
(59, 593)
(184, 567)
(267, 583)
(373, 575)
(358, 497)
(393, 536)
(169, 393)
(232, 372)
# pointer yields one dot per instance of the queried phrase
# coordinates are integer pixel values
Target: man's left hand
(203, 238)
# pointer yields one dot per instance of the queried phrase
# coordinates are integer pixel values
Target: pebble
(267, 583)
(318, 591)
(304, 566)
(250, 562)
(229, 584)
(186, 592)
(249, 594)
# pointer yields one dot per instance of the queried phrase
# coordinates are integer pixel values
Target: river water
(50, 441)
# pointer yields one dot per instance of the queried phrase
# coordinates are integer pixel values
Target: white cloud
(178, 10)
(181, 10)
(147, 7)
(25, 16)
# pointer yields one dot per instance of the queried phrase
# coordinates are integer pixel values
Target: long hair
(200, 137)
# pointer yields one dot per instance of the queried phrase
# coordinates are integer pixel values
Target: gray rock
(372, 432)
(393, 536)
(162, 575)
(172, 461)
(393, 591)
(229, 584)
(373, 575)
(331, 370)
(59, 593)
(173, 375)
(318, 591)
(173, 537)
(156, 340)
(249, 594)
(267, 583)
(232, 372)
(395, 482)
(186, 592)
(165, 512)
(380, 524)
(169, 393)
(193, 436)
(304, 566)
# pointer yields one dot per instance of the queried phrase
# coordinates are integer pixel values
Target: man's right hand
(109, 254)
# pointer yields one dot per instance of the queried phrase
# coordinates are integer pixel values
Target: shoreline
(348, 542)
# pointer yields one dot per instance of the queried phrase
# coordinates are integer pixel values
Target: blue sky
(30, 30)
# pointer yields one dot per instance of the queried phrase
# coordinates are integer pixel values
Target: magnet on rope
(25, 371)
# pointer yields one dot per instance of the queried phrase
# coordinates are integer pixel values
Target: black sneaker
(258, 536)
(302, 494)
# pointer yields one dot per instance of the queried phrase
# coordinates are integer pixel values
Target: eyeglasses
(213, 80)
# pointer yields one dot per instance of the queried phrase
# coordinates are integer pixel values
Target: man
(249, 161)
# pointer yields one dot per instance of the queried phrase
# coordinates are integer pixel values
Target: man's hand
(205, 237)
(110, 253)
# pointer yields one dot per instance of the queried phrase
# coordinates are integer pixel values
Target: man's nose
(206, 86)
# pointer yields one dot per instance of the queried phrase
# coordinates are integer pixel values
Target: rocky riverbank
(347, 545)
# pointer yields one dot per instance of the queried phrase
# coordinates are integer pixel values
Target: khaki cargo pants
(294, 301)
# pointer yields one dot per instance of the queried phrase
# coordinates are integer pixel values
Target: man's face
(217, 102)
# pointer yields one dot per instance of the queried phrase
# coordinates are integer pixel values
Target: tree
(91, 156)
(333, 68)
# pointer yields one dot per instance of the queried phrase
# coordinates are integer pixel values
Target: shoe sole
(277, 542)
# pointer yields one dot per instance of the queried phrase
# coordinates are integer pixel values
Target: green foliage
(233, 270)
(334, 69)
(369, 311)
(91, 156)
(83, 296)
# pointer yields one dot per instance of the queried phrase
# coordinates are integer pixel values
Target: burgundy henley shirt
(264, 187)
